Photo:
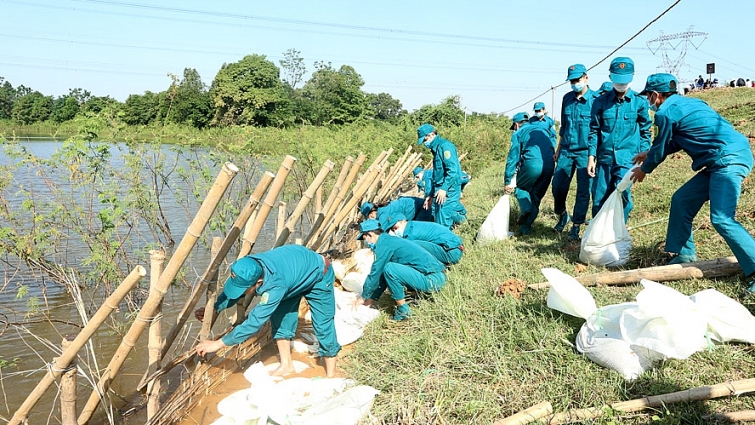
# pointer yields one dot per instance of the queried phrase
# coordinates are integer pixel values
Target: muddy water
(29, 343)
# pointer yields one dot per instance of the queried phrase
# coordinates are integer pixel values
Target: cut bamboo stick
(155, 341)
(68, 355)
(68, 389)
(303, 202)
(719, 267)
(531, 414)
(213, 289)
(281, 223)
(731, 388)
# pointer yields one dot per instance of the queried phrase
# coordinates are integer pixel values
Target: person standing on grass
(446, 246)
(620, 128)
(445, 195)
(531, 159)
(399, 263)
(542, 119)
(571, 155)
(281, 276)
(722, 157)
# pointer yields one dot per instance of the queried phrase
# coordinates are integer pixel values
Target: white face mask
(399, 232)
(539, 114)
(621, 88)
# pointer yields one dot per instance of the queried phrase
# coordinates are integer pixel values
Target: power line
(604, 58)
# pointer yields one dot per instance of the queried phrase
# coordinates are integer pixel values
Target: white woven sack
(496, 224)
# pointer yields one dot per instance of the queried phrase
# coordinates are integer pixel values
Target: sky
(497, 56)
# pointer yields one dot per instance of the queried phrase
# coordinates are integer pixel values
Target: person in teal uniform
(531, 158)
(620, 128)
(399, 263)
(722, 158)
(410, 206)
(605, 87)
(571, 155)
(542, 119)
(446, 246)
(281, 277)
(425, 179)
(445, 194)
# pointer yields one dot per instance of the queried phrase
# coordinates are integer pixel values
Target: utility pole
(679, 41)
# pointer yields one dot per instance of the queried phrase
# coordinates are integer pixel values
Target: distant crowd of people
(702, 84)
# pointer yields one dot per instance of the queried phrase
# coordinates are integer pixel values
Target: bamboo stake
(719, 267)
(314, 187)
(730, 388)
(318, 200)
(267, 205)
(320, 217)
(394, 174)
(281, 223)
(213, 289)
(68, 389)
(741, 416)
(155, 341)
(398, 178)
(217, 260)
(59, 364)
(531, 414)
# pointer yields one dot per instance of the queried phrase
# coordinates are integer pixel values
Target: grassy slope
(467, 356)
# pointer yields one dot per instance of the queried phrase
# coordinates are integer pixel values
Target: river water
(30, 341)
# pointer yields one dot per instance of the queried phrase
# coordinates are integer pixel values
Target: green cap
(367, 226)
(244, 273)
(417, 171)
(575, 71)
(621, 70)
(366, 208)
(538, 106)
(519, 117)
(391, 220)
(660, 83)
(607, 86)
(423, 131)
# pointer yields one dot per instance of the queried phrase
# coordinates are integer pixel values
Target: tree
(384, 107)
(190, 100)
(250, 92)
(293, 67)
(31, 108)
(97, 104)
(7, 96)
(140, 109)
(447, 113)
(64, 108)
(337, 96)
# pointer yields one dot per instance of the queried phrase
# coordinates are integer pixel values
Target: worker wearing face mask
(445, 195)
(446, 246)
(572, 156)
(399, 263)
(545, 122)
(722, 158)
(620, 128)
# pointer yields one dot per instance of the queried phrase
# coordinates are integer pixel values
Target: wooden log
(155, 341)
(726, 389)
(68, 355)
(531, 414)
(741, 416)
(719, 267)
(68, 389)
(315, 186)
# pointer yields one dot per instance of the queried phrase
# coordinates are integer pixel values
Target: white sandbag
(496, 224)
(339, 269)
(241, 408)
(354, 281)
(567, 295)
(350, 321)
(344, 409)
(365, 257)
(728, 320)
(606, 241)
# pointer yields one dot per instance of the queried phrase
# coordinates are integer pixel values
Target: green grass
(467, 356)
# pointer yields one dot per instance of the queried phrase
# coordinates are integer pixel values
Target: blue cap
(244, 273)
(366, 208)
(621, 70)
(607, 86)
(423, 131)
(519, 117)
(538, 106)
(367, 226)
(417, 171)
(575, 71)
(660, 83)
(391, 220)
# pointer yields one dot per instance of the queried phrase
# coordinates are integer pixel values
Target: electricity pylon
(677, 42)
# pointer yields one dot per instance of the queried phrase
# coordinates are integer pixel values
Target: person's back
(740, 82)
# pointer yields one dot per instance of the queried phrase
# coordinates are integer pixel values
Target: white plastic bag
(606, 241)
(728, 320)
(567, 295)
(496, 225)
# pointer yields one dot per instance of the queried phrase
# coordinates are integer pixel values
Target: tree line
(253, 91)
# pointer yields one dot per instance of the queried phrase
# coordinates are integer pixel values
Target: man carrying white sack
(722, 157)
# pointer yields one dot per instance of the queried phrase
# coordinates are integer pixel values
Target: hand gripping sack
(606, 241)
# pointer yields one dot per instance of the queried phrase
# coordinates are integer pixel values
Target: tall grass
(469, 357)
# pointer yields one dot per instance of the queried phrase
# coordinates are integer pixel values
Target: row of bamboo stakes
(378, 183)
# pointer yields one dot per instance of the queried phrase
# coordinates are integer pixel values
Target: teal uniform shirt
(528, 145)
(408, 206)
(575, 120)
(431, 232)
(447, 177)
(619, 128)
(425, 184)
(390, 249)
(547, 124)
(289, 272)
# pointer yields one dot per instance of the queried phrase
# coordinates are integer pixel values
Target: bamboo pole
(719, 267)
(709, 392)
(59, 364)
(340, 195)
(531, 414)
(217, 260)
(313, 188)
(393, 175)
(68, 389)
(741, 416)
(398, 178)
(318, 200)
(267, 205)
(320, 217)
(281, 222)
(228, 172)
(213, 289)
(155, 341)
